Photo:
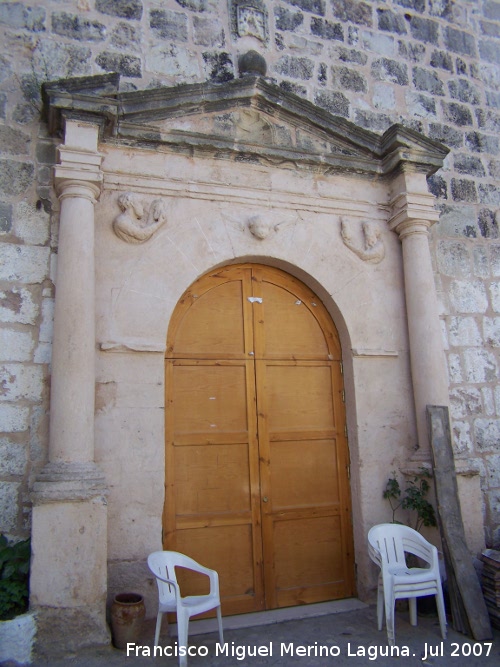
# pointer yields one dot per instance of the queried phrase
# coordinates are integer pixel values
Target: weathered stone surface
(335, 103)
(453, 259)
(313, 6)
(124, 64)
(457, 113)
(380, 43)
(464, 91)
(489, 51)
(349, 79)
(31, 225)
(351, 56)
(125, 9)
(455, 369)
(373, 121)
(464, 332)
(411, 51)
(446, 134)
(208, 32)
(438, 186)
(384, 69)
(28, 264)
(481, 262)
(5, 218)
(488, 120)
(417, 5)
(462, 440)
(468, 296)
(15, 177)
(491, 329)
(167, 24)
(480, 365)
(126, 36)
(468, 164)
(495, 296)
(457, 220)
(463, 189)
(465, 402)
(326, 29)
(489, 194)
(60, 60)
(427, 80)
(14, 419)
(383, 96)
(21, 382)
(75, 27)
(421, 105)
(12, 456)
(494, 168)
(9, 492)
(487, 434)
(15, 345)
(286, 19)
(219, 67)
(353, 10)
(482, 143)
(458, 41)
(424, 30)
(295, 67)
(17, 15)
(488, 224)
(173, 60)
(18, 305)
(391, 22)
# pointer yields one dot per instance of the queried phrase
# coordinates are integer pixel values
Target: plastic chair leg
(413, 611)
(182, 635)
(441, 612)
(389, 618)
(380, 606)
(158, 627)
(219, 621)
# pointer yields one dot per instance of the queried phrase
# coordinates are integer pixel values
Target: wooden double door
(256, 452)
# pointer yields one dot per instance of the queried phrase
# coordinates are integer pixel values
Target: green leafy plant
(14, 577)
(414, 498)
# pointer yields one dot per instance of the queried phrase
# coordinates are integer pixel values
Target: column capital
(78, 173)
(412, 213)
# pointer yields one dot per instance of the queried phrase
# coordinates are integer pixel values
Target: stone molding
(135, 118)
(69, 482)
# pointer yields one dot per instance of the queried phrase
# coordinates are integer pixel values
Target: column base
(68, 581)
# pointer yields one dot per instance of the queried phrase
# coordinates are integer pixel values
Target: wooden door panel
(303, 474)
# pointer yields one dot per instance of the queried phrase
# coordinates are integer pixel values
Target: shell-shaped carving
(131, 225)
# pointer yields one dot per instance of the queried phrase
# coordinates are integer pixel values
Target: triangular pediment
(248, 118)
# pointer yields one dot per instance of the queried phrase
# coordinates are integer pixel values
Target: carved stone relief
(249, 18)
(370, 247)
(132, 225)
(259, 228)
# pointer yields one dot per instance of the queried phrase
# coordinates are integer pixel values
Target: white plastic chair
(387, 545)
(162, 564)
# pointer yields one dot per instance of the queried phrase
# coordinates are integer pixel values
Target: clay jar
(127, 615)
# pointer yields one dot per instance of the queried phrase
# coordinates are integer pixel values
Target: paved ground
(350, 638)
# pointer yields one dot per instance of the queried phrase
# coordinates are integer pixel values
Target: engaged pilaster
(413, 213)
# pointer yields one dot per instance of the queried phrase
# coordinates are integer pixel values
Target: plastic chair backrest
(392, 540)
(163, 563)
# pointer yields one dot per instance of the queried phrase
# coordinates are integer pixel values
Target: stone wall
(433, 65)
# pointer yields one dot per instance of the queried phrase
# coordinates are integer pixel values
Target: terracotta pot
(127, 615)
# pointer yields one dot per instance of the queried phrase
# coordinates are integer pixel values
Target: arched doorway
(257, 465)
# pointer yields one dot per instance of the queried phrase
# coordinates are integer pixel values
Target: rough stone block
(47, 324)
(297, 68)
(326, 29)
(124, 64)
(488, 120)
(62, 60)
(287, 20)
(13, 142)
(464, 332)
(208, 32)
(383, 96)
(464, 91)
(391, 22)
(167, 24)
(424, 30)
(385, 69)
(481, 261)
(417, 5)
(465, 401)
(457, 221)
(468, 164)
(14, 419)
(428, 81)
(488, 224)
(480, 366)
(12, 458)
(457, 113)
(173, 60)
(17, 15)
(463, 189)
(349, 79)
(489, 194)
(5, 218)
(126, 36)
(468, 296)
(9, 493)
(21, 382)
(495, 259)
(487, 434)
(125, 9)
(15, 345)
(373, 121)
(438, 186)
(380, 43)
(351, 56)
(411, 51)
(30, 224)
(460, 42)
(489, 29)
(353, 11)
(219, 66)
(421, 105)
(482, 143)
(453, 259)
(28, 264)
(15, 177)
(18, 305)
(75, 27)
(335, 103)
(462, 441)
(495, 296)
(489, 51)
(455, 369)
(446, 134)
(491, 329)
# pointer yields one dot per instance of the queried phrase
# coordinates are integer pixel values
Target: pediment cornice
(247, 119)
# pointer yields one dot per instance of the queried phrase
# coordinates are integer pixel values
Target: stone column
(69, 533)
(413, 213)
